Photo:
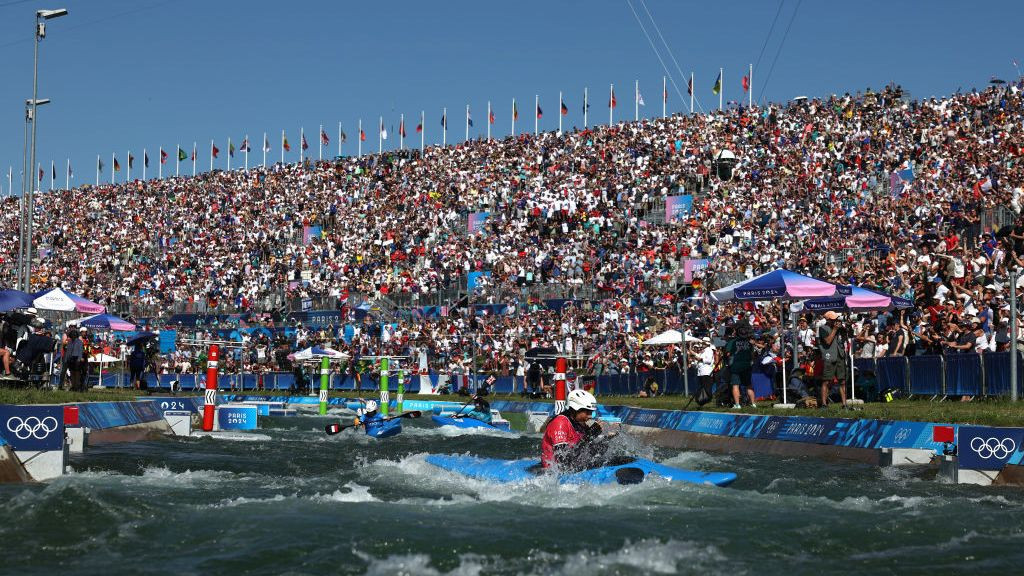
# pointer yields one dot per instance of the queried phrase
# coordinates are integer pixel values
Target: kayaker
(481, 410)
(368, 414)
(569, 441)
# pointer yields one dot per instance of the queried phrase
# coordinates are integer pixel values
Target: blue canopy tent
(13, 299)
(778, 285)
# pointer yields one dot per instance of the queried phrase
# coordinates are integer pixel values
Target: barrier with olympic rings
(33, 428)
(989, 448)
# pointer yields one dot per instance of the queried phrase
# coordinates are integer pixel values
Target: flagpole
(143, 163)
(513, 117)
(10, 179)
(339, 139)
(194, 157)
(488, 120)
(380, 136)
(721, 88)
(401, 131)
(67, 177)
(664, 96)
(229, 154)
(360, 139)
(750, 87)
(423, 130)
(53, 173)
(302, 138)
(211, 154)
(691, 92)
(113, 173)
(467, 122)
(559, 112)
(282, 146)
(636, 100)
(585, 105)
(160, 167)
(97, 169)
(536, 115)
(444, 125)
(320, 147)
(611, 109)
(128, 173)
(177, 160)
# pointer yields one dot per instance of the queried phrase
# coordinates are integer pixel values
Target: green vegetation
(981, 412)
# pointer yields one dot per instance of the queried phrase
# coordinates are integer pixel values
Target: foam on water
(455, 431)
(350, 492)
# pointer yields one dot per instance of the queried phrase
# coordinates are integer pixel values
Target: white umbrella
(102, 359)
(666, 337)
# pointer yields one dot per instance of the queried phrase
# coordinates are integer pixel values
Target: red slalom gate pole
(561, 367)
(210, 409)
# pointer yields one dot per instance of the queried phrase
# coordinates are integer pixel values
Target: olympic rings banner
(32, 427)
(984, 448)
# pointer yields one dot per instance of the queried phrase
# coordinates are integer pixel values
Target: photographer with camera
(832, 340)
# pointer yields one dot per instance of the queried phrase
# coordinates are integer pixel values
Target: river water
(307, 503)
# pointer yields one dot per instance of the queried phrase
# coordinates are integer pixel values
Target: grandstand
(584, 240)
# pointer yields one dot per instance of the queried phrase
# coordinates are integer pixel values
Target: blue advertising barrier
(963, 374)
(892, 374)
(100, 415)
(32, 427)
(237, 417)
(987, 448)
(926, 375)
(997, 373)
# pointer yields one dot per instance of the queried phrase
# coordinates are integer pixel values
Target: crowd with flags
(868, 188)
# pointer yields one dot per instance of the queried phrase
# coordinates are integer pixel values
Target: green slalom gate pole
(384, 387)
(401, 389)
(325, 370)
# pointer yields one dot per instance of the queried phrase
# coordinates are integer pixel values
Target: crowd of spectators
(919, 198)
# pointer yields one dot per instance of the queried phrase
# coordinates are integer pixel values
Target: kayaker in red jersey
(569, 441)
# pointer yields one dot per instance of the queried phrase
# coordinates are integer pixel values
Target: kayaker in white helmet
(569, 439)
(481, 410)
(367, 412)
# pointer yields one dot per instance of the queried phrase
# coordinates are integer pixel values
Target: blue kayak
(467, 422)
(509, 471)
(383, 428)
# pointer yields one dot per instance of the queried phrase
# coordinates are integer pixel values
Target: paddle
(458, 413)
(333, 429)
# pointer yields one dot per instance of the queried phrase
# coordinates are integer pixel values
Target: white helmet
(582, 400)
(371, 405)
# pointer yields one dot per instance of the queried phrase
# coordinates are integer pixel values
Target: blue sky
(132, 74)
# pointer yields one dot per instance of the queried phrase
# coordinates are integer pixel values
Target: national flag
(99, 164)
(718, 84)
(362, 135)
(145, 159)
(640, 98)
(182, 155)
(401, 127)
(983, 185)
(41, 173)
(343, 137)
(469, 117)
(284, 143)
(689, 86)
(540, 113)
(163, 156)
(231, 149)
(214, 150)
(53, 171)
(746, 83)
(515, 111)
(117, 165)
(490, 116)
(245, 145)
(419, 127)
(564, 108)
(266, 144)
(131, 161)
(444, 120)
(71, 173)
(383, 131)
(613, 102)
(193, 152)
(664, 95)
(324, 139)
(305, 145)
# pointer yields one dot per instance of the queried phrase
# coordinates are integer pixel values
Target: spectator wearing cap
(832, 346)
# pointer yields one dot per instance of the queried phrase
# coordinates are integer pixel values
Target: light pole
(40, 32)
(26, 174)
